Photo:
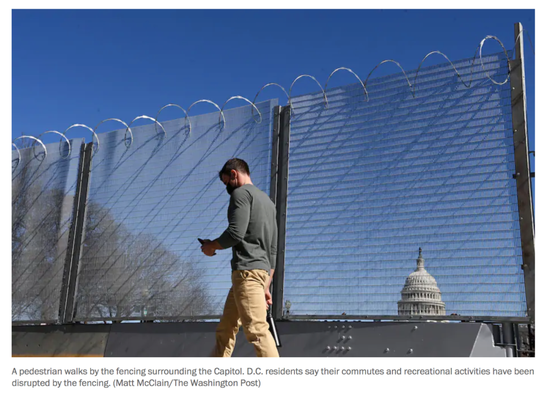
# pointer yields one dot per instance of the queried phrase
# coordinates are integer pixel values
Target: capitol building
(420, 295)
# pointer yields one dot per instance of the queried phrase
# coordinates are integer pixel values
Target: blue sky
(83, 66)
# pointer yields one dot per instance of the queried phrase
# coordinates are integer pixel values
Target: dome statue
(420, 295)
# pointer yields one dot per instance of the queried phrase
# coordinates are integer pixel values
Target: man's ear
(234, 174)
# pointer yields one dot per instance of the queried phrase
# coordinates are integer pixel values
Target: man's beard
(230, 188)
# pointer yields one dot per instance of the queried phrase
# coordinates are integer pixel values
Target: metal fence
(148, 204)
(361, 181)
(44, 183)
(372, 181)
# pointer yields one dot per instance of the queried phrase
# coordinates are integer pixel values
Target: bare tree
(121, 274)
(125, 275)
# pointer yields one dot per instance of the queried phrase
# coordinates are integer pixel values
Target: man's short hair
(234, 164)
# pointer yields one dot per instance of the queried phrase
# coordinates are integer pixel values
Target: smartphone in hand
(201, 241)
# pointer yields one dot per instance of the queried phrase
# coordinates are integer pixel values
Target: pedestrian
(252, 235)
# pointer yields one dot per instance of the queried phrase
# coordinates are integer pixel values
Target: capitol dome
(420, 295)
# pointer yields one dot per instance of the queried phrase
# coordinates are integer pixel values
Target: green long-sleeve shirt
(252, 230)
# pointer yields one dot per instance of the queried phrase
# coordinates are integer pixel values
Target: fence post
(281, 204)
(509, 339)
(523, 175)
(275, 154)
(69, 284)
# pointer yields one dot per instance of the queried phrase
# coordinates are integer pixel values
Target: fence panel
(372, 181)
(43, 190)
(149, 203)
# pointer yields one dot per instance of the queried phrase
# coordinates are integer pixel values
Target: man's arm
(273, 259)
(239, 217)
(273, 248)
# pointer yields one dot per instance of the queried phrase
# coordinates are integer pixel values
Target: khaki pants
(245, 305)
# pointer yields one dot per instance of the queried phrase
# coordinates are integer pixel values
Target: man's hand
(209, 247)
(268, 300)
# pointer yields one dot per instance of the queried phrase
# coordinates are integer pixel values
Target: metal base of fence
(299, 339)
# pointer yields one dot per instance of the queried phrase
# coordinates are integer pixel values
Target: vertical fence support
(69, 284)
(281, 203)
(523, 175)
(275, 154)
(496, 335)
(508, 338)
(531, 333)
(274, 174)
